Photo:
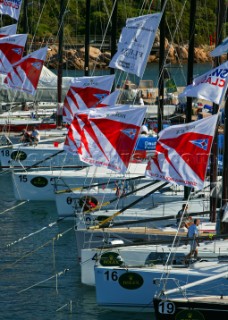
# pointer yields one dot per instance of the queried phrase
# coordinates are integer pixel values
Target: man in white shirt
(35, 135)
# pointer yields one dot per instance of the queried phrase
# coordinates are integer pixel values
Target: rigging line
(167, 272)
(37, 25)
(30, 253)
(175, 31)
(14, 207)
(61, 273)
(102, 223)
(99, 206)
(105, 33)
(50, 225)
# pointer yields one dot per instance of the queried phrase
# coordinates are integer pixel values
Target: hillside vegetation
(43, 18)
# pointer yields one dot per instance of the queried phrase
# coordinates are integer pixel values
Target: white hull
(23, 156)
(40, 185)
(133, 289)
(141, 255)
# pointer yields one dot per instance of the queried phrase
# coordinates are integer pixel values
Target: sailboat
(193, 304)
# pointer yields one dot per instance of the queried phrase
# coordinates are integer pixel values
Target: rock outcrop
(74, 59)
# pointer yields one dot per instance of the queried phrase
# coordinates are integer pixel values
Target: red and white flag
(182, 153)
(8, 30)
(85, 92)
(11, 51)
(11, 8)
(210, 86)
(108, 136)
(109, 100)
(25, 74)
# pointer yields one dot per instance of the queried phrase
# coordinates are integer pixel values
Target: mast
(221, 12)
(60, 63)
(113, 32)
(192, 20)
(87, 39)
(161, 68)
(25, 22)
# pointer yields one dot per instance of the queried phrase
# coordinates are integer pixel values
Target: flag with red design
(25, 74)
(85, 92)
(11, 51)
(109, 136)
(210, 86)
(11, 8)
(182, 153)
(8, 30)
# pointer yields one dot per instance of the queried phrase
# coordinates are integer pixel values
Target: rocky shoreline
(74, 59)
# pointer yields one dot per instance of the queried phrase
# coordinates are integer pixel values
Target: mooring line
(43, 281)
(50, 225)
(57, 237)
(14, 207)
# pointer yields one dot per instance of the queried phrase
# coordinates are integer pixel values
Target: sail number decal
(5, 153)
(166, 307)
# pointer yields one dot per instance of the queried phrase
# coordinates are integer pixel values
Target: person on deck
(25, 136)
(183, 211)
(193, 234)
(35, 135)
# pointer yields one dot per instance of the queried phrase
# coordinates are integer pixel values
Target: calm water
(31, 256)
(177, 72)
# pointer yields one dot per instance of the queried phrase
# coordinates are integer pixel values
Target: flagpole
(221, 14)
(87, 39)
(161, 68)
(60, 63)
(25, 22)
(113, 34)
(192, 19)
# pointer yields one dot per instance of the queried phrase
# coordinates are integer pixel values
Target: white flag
(135, 44)
(220, 49)
(8, 30)
(210, 86)
(11, 8)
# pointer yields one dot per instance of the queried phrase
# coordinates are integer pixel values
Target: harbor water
(39, 268)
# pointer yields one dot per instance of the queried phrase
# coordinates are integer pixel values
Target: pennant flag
(11, 51)
(109, 100)
(8, 30)
(170, 85)
(11, 8)
(85, 92)
(25, 74)
(182, 153)
(220, 49)
(210, 86)
(135, 44)
(107, 137)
